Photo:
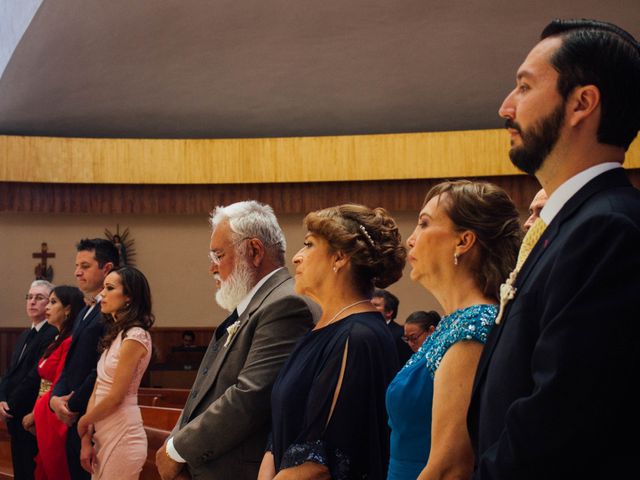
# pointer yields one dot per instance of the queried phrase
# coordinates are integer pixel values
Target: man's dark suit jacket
(21, 384)
(79, 374)
(403, 349)
(553, 394)
(19, 388)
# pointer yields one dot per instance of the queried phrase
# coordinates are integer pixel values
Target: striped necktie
(529, 241)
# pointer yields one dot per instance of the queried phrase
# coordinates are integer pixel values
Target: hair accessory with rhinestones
(366, 234)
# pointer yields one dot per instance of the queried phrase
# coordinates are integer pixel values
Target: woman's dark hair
(486, 210)
(424, 319)
(601, 54)
(136, 312)
(369, 237)
(68, 296)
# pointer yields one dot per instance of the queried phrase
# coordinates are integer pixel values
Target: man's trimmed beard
(537, 142)
(237, 285)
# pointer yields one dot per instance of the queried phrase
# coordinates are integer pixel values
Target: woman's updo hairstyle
(487, 211)
(369, 237)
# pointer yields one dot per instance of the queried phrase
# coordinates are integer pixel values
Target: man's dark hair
(189, 333)
(391, 302)
(601, 54)
(104, 250)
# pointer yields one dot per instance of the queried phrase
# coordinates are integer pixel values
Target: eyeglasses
(412, 338)
(38, 298)
(216, 256)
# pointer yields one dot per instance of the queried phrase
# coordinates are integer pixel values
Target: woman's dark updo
(369, 237)
(486, 210)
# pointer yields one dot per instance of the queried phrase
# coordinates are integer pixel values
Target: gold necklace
(344, 309)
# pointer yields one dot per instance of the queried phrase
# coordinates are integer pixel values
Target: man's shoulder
(395, 326)
(609, 193)
(48, 330)
(279, 294)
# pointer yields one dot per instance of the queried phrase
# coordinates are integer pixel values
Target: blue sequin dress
(410, 394)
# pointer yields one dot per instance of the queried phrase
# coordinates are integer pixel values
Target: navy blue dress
(353, 440)
(410, 394)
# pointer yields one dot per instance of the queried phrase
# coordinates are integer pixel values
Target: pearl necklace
(345, 309)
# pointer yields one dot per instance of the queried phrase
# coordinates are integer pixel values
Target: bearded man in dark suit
(554, 394)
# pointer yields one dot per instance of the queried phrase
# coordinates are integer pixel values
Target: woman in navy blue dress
(463, 248)
(328, 413)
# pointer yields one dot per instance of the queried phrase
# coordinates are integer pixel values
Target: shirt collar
(38, 325)
(242, 306)
(568, 189)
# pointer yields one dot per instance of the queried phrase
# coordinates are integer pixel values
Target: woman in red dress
(51, 462)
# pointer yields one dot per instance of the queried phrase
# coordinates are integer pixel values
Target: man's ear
(256, 252)
(107, 267)
(583, 102)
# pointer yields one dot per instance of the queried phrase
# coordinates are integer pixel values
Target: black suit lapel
(81, 323)
(15, 357)
(89, 318)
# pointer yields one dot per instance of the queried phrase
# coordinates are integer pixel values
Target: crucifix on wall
(42, 270)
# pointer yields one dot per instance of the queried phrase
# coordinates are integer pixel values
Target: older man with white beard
(223, 429)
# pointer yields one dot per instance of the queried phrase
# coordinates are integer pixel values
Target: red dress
(51, 433)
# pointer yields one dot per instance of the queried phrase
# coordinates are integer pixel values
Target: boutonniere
(507, 293)
(231, 331)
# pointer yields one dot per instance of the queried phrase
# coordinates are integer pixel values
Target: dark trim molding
(396, 195)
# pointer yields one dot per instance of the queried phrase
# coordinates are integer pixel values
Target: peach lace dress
(120, 440)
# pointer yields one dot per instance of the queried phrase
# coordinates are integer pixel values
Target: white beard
(235, 287)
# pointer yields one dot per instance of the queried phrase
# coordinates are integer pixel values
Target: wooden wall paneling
(260, 160)
(394, 195)
(397, 195)
(8, 338)
(253, 160)
(163, 339)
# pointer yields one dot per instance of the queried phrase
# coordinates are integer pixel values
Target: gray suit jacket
(223, 429)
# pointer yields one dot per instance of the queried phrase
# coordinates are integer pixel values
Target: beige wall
(170, 250)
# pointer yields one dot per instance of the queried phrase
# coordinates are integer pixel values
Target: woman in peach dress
(114, 443)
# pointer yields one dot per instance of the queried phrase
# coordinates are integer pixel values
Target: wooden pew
(162, 418)
(155, 440)
(163, 397)
(6, 467)
(158, 423)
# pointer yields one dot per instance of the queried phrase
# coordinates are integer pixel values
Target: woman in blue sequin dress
(464, 246)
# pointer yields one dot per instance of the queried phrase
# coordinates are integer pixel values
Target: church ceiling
(264, 68)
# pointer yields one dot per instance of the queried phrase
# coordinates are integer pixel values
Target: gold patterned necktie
(529, 241)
